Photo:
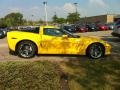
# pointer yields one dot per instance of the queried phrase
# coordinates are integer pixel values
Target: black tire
(26, 49)
(95, 51)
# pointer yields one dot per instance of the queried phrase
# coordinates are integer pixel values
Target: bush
(29, 76)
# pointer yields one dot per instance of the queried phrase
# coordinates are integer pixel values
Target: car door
(54, 42)
(72, 45)
(51, 41)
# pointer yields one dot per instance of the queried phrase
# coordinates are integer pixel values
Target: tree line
(12, 19)
(16, 19)
(71, 18)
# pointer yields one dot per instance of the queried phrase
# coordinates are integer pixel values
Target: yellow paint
(54, 45)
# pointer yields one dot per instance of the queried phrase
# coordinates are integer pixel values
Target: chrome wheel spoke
(96, 51)
(25, 50)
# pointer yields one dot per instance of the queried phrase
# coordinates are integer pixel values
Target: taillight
(102, 27)
(82, 29)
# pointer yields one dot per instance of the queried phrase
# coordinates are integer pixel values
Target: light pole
(45, 4)
(76, 6)
(32, 19)
(76, 11)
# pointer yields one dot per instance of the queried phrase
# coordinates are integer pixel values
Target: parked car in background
(33, 29)
(70, 28)
(110, 26)
(81, 28)
(116, 31)
(91, 27)
(102, 27)
(5, 30)
(1, 34)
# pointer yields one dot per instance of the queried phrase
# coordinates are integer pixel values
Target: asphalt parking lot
(105, 35)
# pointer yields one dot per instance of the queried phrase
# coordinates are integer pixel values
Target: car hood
(92, 39)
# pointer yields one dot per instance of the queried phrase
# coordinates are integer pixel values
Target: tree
(2, 23)
(14, 19)
(54, 18)
(40, 21)
(61, 20)
(73, 17)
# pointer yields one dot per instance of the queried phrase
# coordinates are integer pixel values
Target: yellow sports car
(51, 40)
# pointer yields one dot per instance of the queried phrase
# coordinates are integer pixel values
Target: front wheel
(26, 49)
(95, 51)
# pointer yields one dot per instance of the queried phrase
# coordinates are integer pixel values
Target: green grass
(26, 75)
(43, 75)
(93, 75)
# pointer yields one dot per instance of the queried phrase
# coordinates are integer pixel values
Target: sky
(34, 9)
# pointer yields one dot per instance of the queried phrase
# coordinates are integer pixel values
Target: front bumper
(108, 49)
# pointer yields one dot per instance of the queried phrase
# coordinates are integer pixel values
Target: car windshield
(69, 33)
(92, 25)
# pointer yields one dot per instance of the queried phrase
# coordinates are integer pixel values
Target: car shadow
(110, 39)
(114, 42)
(64, 56)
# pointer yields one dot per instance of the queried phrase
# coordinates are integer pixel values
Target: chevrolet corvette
(52, 40)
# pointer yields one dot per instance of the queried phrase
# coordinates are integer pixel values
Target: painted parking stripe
(3, 45)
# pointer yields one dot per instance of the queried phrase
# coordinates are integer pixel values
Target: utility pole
(76, 10)
(45, 4)
(32, 19)
(55, 17)
(76, 7)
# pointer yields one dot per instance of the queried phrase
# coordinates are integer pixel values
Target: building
(117, 18)
(108, 18)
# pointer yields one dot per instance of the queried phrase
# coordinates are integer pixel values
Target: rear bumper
(115, 34)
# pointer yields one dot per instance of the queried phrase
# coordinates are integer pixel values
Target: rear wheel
(95, 51)
(26, 49)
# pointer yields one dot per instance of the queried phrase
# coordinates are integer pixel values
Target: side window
(52, 32)
(32, 30)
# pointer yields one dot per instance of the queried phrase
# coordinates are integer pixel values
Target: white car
(116, 31)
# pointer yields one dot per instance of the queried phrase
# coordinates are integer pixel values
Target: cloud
(14, 9)
(61, 11)
(97, 7)
(100, 3)
(68, 7)
(35, 8)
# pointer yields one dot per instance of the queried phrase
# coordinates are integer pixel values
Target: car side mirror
(64, 36)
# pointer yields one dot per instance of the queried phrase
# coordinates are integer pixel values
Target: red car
(82, 28)
(102, 27)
